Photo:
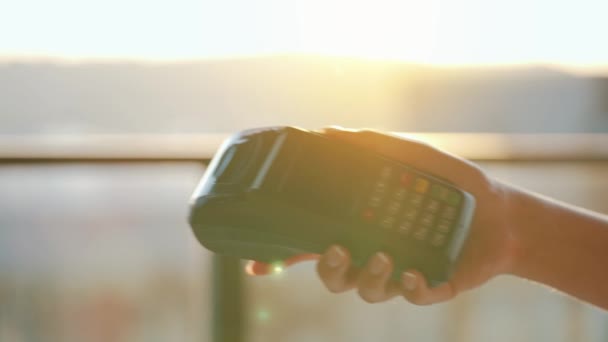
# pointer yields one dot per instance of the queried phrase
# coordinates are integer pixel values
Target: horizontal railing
(478, 146)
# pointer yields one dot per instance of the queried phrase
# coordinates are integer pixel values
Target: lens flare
(277, 268)
(263, 315)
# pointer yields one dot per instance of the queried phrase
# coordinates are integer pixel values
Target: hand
(490, 249)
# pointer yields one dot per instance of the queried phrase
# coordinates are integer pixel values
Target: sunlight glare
(433, 31)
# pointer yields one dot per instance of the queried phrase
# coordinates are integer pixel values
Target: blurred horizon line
(585, 69)
(476, 146)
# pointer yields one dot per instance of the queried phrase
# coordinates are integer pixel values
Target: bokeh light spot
(277, 268)
(263, 315)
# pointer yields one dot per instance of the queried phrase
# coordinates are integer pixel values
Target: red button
(368, 214)
(406, 179)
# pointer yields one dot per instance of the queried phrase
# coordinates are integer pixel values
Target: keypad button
(410, 214)
(449, 213)
(405, 179)
(387, 222)
(381, 187)
(375, 201)
(438, 240)
(454, 198)
(386, 172)
(432, 206)
(422, 233)
(415, 200)
(440, 192)
(444, 226)
(421, 186)
(436, 190)
(400, 194)
(393, 208)
(427, 220)
(368, 214)
(406, 227)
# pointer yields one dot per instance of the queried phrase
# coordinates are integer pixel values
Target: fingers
(374, 284)
(417, 154)
(256, 268)
(416, 290)
(335, 270)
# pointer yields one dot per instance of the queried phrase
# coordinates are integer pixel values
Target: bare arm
(561, 246)
(513, 232)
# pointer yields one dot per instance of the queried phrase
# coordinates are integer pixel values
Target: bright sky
(427, 31)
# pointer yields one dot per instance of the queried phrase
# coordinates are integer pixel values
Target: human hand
(490, 249)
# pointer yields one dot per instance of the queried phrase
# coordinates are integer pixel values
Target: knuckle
(330, 280)
(374, 137)
(368, 132)
(326, 273)
(370, 296)
(334, 289)
(481, 181)
(334, 286)
(418, 148)
(421, 144)
(479, 174)
(423, 148)
(416, 299)
(322, 271)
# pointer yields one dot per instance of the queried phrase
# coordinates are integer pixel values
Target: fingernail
(409, 281)
(334, 257)
(378, 264)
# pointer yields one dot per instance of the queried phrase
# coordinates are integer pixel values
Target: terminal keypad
(412, 206)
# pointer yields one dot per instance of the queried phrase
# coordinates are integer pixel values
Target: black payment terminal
(272, 193)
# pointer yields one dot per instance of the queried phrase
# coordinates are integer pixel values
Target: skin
(513, 232)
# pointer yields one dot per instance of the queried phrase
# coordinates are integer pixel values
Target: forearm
(561, 246)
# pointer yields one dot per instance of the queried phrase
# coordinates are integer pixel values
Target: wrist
(511, 244)
(522, 215)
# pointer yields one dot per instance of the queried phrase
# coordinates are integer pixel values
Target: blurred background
(108, 110)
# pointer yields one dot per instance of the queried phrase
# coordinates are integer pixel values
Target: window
(108, 109)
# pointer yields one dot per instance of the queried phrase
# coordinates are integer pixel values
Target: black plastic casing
(272, 193)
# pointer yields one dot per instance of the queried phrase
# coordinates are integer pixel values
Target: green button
(436, 191)
(454, 198)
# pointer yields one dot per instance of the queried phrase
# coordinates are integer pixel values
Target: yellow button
(422, 185)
